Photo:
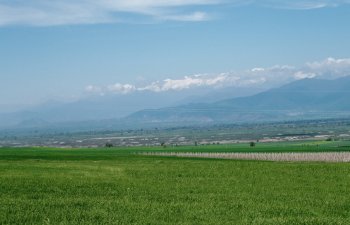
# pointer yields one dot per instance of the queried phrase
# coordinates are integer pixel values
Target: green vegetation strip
(116, 186)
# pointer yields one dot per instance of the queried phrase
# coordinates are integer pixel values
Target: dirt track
(307, 157)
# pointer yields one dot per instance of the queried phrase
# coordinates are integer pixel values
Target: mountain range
(302, 99)
(113, 106)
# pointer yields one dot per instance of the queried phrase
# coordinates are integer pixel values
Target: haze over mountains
(302, 99)
(307, 98)
(113, 106)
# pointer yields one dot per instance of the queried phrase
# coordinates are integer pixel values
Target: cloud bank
(302, 4)
(61, 12)
(68, 12)
(269, 77)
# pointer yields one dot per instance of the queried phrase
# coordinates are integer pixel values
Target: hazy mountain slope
(91, 108)
(303, 98)
(97, 108)
(308, 94)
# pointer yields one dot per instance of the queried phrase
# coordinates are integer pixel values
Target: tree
(109, 145)
(252, 144)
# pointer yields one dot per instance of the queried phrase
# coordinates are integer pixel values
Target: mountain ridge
(307, 97)
(298, 100)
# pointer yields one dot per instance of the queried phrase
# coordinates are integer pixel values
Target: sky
(70, 49)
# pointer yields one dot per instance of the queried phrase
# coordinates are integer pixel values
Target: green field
(117, 186)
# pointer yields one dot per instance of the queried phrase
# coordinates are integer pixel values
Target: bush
(109, 145)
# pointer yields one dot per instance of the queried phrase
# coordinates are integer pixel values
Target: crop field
(124, 186)
(337, 129)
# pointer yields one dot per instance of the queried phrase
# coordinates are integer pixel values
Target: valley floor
(121, 186)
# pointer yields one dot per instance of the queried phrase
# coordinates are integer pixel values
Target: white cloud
(268, 77)
(181, 84)
(190, 81)
(185, 83)
(155, 87)
(303, 75)
(121, 88)
(258, 70)
(335, 67)
(92, 88)
(303, 4)
(61, 12)
(195, 16)
(95, 90)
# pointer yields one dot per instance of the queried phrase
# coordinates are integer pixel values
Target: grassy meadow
(117, 186)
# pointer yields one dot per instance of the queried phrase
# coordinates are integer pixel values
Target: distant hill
(91, 110)
(302, 99)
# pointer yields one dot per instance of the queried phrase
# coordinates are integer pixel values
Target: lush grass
(114, 186)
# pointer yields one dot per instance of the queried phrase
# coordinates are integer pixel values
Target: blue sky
(64, 49)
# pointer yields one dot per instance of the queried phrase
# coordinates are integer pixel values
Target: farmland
(221, 134)
(123, 186)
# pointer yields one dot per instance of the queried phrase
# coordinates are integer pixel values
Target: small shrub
(109, 145)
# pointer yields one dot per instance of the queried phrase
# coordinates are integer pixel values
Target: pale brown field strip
(307, 157)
